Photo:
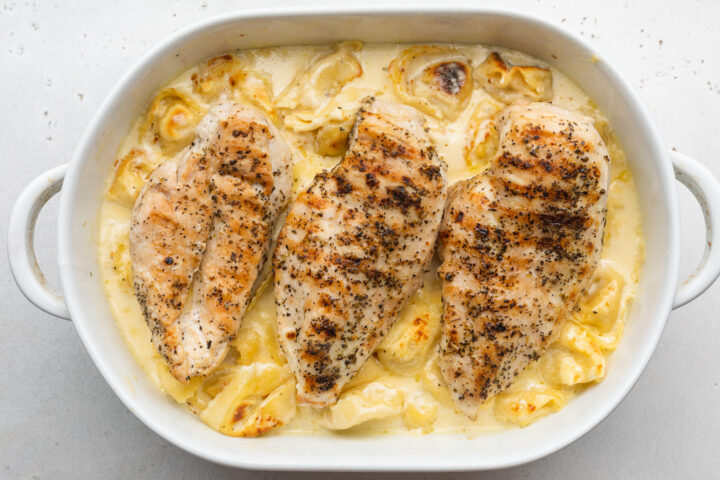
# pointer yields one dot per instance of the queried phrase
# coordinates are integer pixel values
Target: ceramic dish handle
(21, 237)
(706, 189)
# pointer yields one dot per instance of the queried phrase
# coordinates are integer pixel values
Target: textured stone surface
(58, 417)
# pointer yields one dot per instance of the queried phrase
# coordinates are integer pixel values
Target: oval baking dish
(83, 180)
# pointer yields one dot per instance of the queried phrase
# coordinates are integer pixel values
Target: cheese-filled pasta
(258, 398)
(523, 407)
(316, 86)
(509, 83)
(213, 76)
(171, 120)
(482, 138)
(435, 79)
(131, 173)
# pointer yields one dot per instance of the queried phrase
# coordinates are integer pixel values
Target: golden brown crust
(200, 231)
(518, 245)
(354, 247)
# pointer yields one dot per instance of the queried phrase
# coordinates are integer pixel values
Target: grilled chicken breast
(518, 245)
(355, 246)
(200, 232)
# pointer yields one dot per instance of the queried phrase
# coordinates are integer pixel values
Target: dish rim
(73, 180)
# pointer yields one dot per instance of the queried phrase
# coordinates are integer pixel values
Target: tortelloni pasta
(213, 76)
(482, 139)
(460, 89)
(509, 83)
(257, 338)
(171, 119)
(255, 87)
(374, 401)
(257, 399)
(436, 80)
(332, 139)
(408, 342)
(310, 102)
(377, 396)
(602, 310)
(523, 407)
(131, 172)
(237, 77)
(573, 359)
(322, 80)
(577, 355)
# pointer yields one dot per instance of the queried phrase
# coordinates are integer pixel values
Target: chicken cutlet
(200, 233)
(519, 244)
(355, 246)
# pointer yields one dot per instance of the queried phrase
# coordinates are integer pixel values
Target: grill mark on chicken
(355, 246)
(519, 244)
(200, 232)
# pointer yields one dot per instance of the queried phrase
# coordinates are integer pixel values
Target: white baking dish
(84, 179)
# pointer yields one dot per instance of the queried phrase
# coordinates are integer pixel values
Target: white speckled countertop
(58, 417)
